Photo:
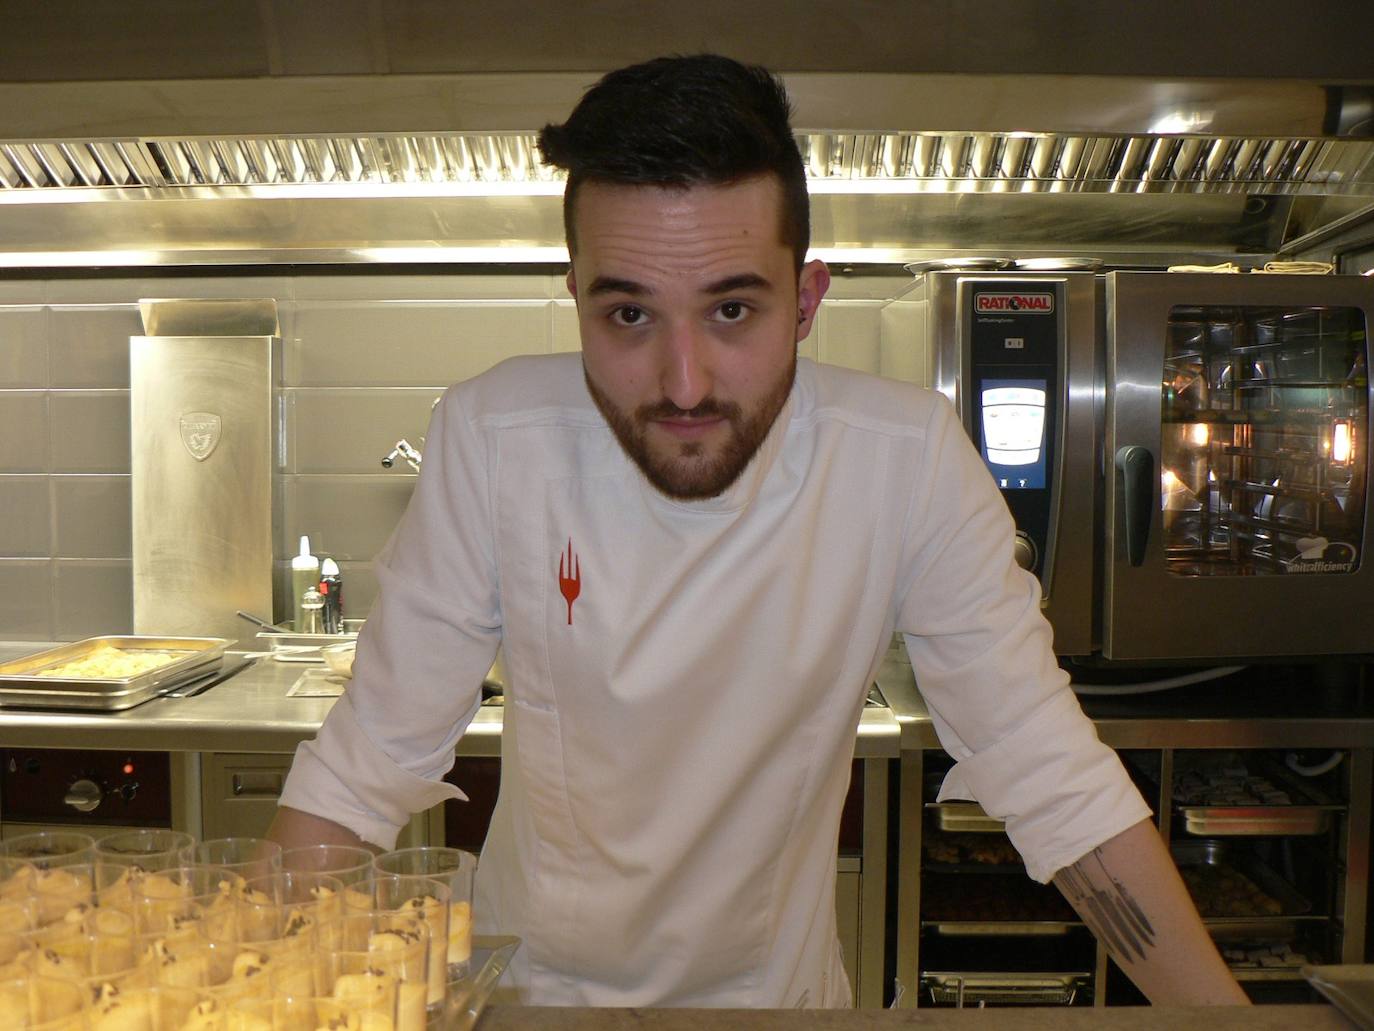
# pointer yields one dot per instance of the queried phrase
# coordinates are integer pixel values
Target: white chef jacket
(678, 735)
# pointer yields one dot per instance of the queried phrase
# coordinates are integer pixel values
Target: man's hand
(1132, 898)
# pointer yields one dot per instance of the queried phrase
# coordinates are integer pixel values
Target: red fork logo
(569, 577)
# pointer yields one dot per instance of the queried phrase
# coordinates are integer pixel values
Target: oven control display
(1014, 432)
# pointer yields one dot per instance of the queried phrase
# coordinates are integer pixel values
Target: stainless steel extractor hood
(903, 167)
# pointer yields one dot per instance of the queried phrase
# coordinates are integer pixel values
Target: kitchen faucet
(406, 450)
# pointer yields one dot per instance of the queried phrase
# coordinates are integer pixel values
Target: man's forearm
(1130, 895)
(292, 828)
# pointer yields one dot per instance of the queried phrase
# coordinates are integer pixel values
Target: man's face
(690, 312)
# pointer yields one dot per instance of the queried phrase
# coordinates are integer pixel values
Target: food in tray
(110, 663)
(970, 848)
(1225, 781)
(951, 898)
(1263, 955)
(1220, 891)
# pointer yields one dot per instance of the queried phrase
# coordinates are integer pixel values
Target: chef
(695, 548)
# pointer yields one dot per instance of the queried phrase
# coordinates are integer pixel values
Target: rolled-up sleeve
(430, 638)
(983, 659)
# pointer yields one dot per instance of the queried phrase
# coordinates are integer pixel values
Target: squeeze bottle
(305, 575)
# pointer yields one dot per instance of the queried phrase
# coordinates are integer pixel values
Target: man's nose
(686, 373)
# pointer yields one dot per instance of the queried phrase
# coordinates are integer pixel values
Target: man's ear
(571, 281)
(812, 284)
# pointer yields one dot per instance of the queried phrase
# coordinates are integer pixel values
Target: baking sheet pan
(1231, 821)
(970, 988)
(1307, 813)
(965, 816)
(21, 684)
(1219, 854)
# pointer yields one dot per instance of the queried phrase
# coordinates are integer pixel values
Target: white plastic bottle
(305, 576)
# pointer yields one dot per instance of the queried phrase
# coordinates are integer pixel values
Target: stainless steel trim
(196, 317)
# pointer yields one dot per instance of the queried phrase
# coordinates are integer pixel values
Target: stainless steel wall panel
(88, 431)
(91, 517)
(26, 599)
(27, 516)
(201, 413)
(23, 431)
(90, 598)
(23, 347)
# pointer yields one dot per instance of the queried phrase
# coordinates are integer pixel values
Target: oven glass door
(1263, 443)
(1239, 503)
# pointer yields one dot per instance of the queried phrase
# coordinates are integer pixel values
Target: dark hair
(683, 121)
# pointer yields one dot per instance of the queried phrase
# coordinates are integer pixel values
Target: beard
(692, 472)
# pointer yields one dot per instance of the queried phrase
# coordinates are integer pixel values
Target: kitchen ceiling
(59, 40)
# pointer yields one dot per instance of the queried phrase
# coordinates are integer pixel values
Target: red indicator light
(128, 768)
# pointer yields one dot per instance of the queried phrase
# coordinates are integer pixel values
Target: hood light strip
(904, 162)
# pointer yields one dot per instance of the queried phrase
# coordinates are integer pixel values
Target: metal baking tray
(970, 988)
(1292, 906)
(1231, 821)
(1308, 814)
(20, 684)
(965, 816)
(1001, 928)
(285, 645)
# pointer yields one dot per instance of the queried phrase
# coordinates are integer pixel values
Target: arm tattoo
(1107, 908)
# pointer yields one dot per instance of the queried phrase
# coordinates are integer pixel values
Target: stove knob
(128, 790)
(1024, 550)
(84, 795)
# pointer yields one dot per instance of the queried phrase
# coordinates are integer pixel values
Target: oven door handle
(1135, 466)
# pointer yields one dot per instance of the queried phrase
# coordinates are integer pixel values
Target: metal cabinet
(1296, 848)
(1275, 861)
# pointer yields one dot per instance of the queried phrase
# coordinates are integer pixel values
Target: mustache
(707, 408)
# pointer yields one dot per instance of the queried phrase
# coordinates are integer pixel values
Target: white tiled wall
(363, 358)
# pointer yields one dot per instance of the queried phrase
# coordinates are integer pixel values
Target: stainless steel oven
(1186, 455)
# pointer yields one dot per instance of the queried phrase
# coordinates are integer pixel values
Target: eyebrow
(743, 281)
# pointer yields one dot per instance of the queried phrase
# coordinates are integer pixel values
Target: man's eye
(732, 311)
(628, 315)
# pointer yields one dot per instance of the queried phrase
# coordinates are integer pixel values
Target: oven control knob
(128, 790)
(1024, 550)
(84, 795)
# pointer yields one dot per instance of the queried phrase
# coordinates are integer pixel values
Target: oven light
(1200, 433)
(128, 768)
(1342, 442)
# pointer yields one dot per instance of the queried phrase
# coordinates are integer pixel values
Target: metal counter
(251, 712)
